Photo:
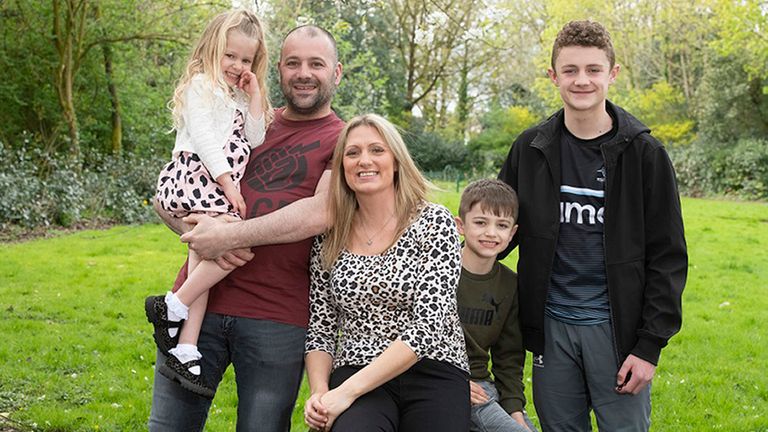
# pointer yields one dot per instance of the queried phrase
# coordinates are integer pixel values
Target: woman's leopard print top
(364, 303)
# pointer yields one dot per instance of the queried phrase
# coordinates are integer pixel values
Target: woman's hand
(335, 402)
(476, 394)
(315, 414)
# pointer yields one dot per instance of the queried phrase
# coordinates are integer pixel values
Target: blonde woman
(385, 350)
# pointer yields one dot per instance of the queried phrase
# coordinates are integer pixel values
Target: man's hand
(209, 238)
(234, 258)
(634, 375)
(476, 394)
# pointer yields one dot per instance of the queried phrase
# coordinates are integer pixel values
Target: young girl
(220, 109)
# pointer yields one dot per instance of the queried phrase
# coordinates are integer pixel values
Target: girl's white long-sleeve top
(208, 115)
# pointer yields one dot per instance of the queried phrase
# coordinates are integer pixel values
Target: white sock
(185, 353)
(177, 311)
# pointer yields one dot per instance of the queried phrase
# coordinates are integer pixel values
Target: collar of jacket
(548, 137)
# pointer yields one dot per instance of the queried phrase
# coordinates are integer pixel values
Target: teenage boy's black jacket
(645, 252)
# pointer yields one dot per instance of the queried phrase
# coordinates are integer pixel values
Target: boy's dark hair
(494, 196)
(584, 34)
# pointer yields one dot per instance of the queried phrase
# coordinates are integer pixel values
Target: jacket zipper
(608, 179)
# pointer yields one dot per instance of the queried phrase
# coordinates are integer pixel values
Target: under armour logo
(538, 360)
(600, 177)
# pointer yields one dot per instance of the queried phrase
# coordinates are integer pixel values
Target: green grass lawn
(76, 353)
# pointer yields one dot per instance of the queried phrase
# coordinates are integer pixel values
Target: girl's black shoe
(175, 370)
(157, 314)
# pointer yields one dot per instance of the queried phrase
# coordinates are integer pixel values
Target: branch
(157, 37)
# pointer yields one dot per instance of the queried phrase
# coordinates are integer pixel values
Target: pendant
(369, 242)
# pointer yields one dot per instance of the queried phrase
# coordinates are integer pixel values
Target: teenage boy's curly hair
(585, 34)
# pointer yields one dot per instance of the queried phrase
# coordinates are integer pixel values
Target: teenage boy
(488, 308)
(603, 259)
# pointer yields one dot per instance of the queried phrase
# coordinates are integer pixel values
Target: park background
(84, 129)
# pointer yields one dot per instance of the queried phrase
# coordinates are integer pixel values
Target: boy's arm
(666, 257)
(508, 359)
(297, 221)
(666, 268)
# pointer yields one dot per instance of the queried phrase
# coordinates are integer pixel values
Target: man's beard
(325, 92)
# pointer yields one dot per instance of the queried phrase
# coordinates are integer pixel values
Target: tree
(501, 126)
(66, 53)
(425, 34)
(742, 32)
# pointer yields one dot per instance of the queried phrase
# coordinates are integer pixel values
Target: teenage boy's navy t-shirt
(578, 291)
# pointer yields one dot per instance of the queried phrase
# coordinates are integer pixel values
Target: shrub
(746, 169)
(433, 152)
(40, 190)
(698, 169)
(501, 126)
(740, 170)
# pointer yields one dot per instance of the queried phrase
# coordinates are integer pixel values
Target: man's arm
(297, 221)
(174, 224)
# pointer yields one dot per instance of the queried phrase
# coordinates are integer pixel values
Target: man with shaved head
(257, 316)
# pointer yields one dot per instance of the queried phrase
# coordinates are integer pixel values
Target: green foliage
(746, 169)
(149, 42)
(663, 109)
(43, 190)
(38, 190)
(742, 33)
(433, 152)
(501, 126)
(740, 170)
(730, 105)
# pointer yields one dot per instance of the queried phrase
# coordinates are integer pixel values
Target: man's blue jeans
(268, 358)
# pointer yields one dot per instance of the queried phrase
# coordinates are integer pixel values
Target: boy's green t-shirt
(488, 309)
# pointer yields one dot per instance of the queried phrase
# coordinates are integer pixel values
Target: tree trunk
(463, 100)
(117, 123)
(67, 39)
(116, 139)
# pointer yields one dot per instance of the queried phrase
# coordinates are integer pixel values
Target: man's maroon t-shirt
(274, 285)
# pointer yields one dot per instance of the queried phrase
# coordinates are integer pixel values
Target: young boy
(603, 258)
(487, 301)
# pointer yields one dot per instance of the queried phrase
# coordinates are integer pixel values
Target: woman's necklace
(376, 234)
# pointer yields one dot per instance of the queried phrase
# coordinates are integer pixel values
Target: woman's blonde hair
(410, 187)
(211, 47)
